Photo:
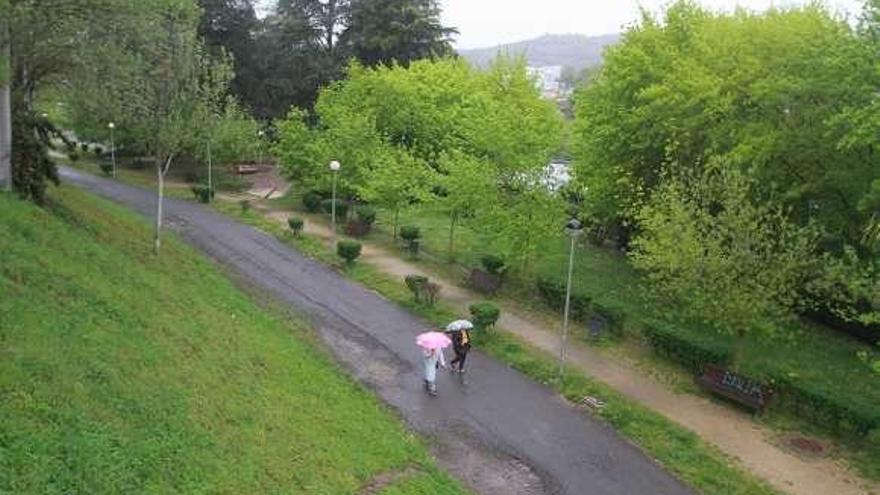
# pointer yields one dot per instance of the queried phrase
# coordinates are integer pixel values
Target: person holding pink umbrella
(432, 344)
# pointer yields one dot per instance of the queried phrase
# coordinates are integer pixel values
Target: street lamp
(334, 168)
(573, 229)
(260, 133)
(112, 126)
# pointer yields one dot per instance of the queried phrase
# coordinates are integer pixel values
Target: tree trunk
(396, 215)
(161, 170)
(452, 221)
(160, 176)
(5, 118)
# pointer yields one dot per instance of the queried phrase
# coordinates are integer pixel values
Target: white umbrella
(459, 325)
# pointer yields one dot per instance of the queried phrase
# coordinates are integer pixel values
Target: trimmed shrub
(411, 234)
(245, 205)
(341, 207)
(74, 156)
(107, 168)
(203, 193)
(484, 314)
(822, 404)
(493, 264)
(415, 283)
(296, 225)
(692, 353)
(422, 288)
(84, 147)
(348, 251)
(366, 215)
(552, 291)
(98, 150)
(312, 201)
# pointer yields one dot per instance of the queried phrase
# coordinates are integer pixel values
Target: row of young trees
(302, 45)
(474, 143)
(140, 65)
(738, 152)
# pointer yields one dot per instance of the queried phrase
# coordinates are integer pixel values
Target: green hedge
(820, 403)
(825, 406)
(552, 291)
(686, 349)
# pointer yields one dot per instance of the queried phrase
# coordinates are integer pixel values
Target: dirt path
(730, 430)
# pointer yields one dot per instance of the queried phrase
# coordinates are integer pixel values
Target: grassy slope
(121, 373)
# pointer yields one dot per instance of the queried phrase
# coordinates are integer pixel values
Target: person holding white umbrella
(461, 342)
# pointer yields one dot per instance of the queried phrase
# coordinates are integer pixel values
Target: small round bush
(84, 147)
(99, 150)
(366, 214)
(203, 193)
(484, 314)
(245, 205)
(493, 264)
(107, 168)
(348, 250)
(296, 225)
(74, 156)
(312, 201)
(410, 233)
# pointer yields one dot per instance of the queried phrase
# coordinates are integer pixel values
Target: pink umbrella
(433, 340)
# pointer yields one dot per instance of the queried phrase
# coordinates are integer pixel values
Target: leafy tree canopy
(765, 92)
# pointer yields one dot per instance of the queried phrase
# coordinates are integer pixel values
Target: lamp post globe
(573, 230)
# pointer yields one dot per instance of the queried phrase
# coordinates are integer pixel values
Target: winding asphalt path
(499, 432)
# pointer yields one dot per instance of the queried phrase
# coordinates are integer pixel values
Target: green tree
(763, 91)
(224, 133)
(468, 187)
(524, 216)
(401, 31)
(396, 180)
(715, 255)
(166, 110)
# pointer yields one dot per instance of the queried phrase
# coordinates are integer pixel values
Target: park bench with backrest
(735, 387)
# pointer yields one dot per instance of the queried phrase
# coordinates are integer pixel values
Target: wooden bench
(484, 282)
(735, 387)
(245, 169)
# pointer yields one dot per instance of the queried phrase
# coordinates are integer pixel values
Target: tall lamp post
(112, 126)
(573, 230)
(334, 169)
(260, 134)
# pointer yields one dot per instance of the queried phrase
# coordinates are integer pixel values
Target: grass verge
(121, 372)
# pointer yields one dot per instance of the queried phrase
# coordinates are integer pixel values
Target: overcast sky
(490, 22)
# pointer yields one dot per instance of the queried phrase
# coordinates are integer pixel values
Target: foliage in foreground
(475, 142)
(127, 373)
(721, 258)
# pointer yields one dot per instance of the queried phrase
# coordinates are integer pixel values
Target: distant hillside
(573, 50)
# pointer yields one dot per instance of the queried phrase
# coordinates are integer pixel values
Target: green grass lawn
(124, 373)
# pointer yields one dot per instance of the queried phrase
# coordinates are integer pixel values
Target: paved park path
(499, 432)
(733, 431)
